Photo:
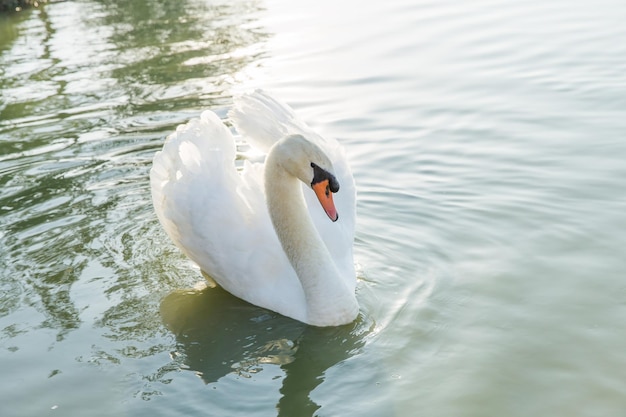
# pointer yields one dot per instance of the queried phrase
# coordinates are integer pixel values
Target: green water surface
(488, 142)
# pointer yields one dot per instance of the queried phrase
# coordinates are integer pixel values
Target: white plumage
(218, 215)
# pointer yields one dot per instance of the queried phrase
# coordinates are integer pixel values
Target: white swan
(258, 230)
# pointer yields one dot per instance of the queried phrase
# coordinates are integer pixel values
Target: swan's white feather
(217, 215)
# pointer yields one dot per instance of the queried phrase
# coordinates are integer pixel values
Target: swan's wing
(187, 179)
(218, 217)
(263, 120)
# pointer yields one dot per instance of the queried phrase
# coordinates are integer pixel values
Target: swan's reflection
(220, 334)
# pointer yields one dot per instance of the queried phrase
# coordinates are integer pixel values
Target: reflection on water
(177, 55)
(219, 335)
(72, 169)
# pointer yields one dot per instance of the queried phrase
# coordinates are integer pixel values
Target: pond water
(488, 142)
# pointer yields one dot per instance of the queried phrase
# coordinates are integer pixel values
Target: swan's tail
(263, 119)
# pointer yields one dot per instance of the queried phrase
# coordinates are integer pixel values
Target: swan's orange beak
(325, 196)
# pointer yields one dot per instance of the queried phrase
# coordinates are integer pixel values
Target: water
(487, 140)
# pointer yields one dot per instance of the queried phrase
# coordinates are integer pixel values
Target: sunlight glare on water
(487, 143)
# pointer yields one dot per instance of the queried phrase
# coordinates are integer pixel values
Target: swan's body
(259, 231)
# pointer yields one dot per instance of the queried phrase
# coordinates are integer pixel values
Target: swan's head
(308, 162)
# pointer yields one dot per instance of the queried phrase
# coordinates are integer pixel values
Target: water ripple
(486, 139)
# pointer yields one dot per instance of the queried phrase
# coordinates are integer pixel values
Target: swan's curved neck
(329, 301)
